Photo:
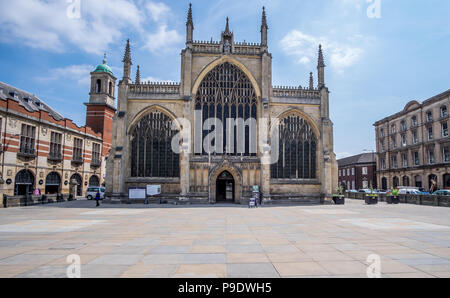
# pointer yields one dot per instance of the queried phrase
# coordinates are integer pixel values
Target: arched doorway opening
(94, 181)
(24, 183)
(52, 183)
(225, 187)
(77, 178)
(446, 179)
(384, 185)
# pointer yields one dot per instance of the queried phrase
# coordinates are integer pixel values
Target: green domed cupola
(104, 67)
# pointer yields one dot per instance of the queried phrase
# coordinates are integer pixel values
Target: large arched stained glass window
(227, 93)
(297, 153)
(151, 147)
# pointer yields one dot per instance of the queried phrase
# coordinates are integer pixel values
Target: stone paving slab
(225, 241)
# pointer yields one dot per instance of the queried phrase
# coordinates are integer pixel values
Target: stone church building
(290, 158)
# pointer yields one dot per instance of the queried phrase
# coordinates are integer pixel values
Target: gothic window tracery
(151, 147)
(297, 150)
(227, 93)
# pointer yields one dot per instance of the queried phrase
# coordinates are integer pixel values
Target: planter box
(392, 200)
(371, 200)
(339, 200)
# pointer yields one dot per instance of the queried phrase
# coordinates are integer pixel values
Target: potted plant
(371, 198)
(339, 198)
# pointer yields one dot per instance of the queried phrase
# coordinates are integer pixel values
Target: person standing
(97, 198)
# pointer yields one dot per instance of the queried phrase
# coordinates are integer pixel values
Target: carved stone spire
(138, 76)
(227, 31)
(321, 69)
(321, 62)
(127, 64)
(311, 81)
(127, 55)
(264, 28)
(189, 26)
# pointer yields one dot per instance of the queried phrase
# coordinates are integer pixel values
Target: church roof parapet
(295, 92)
(155, 88)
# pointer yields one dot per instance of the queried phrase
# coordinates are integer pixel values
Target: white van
(92, 192)
(408, 191)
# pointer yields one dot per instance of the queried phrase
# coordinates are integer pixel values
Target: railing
(96, 163)
(426, 200)
(77, 160)
(27, 152)
(155, 88)
(295, 92)
(54, 156)
(206, 47)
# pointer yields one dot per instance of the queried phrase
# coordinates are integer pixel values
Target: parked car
(352, 191)
(379, 191)
(92, 192)
(442, 192)
(408, 191)
(367, 191)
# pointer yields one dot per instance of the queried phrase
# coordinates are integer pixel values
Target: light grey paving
(197, 241)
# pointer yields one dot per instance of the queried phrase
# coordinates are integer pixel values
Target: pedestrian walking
(97, 198)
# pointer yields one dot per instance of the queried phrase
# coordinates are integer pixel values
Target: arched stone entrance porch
(217, 175)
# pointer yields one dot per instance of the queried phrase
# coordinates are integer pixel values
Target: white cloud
(157, 11)
(340, 54)
(73, 73)
(44, 24)
(162, 40)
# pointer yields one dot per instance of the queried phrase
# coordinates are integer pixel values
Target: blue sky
(375, 65)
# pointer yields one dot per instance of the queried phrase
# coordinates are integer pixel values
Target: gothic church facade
(223, 80)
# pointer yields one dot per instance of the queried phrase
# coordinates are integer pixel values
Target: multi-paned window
(77, 150)
(415, 138)
(414, 121)
(381, 132)
(298, 150)
(383, 147)
(430, 133)
(431, 156)
(404, 160)
(1, 134)
(96, 153)
(445, 154)
(444, 111)
(403, 125)
(383, 164)
(444, 126)
(27, 139)
(394, 162)
(55, 145)
(404, 140)
(416, 158)
(364, 170)
(429, 116)
(151, 152)
(394, 142)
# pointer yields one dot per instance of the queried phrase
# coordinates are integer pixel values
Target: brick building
(358, 172)
(40, 149)
(413, 145)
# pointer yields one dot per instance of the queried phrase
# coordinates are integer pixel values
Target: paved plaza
(224, 241)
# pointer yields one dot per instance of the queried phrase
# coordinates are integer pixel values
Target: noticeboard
(137, 193)
(153, 190)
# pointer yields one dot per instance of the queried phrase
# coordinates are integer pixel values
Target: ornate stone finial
(127, 56)
(189, 18)
(227, 31)
(321, 62)
(138, 75)
(311, 81)
(264, 19)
